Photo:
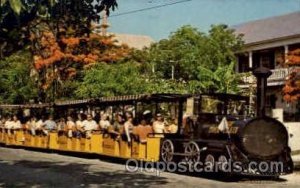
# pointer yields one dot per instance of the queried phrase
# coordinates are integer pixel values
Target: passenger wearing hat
(158, 124)
(147, 115)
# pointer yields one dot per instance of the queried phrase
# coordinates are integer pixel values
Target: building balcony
(277, 78)
(279, 74)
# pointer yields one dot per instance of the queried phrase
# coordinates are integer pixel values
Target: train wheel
(193, 152)
(167, 151)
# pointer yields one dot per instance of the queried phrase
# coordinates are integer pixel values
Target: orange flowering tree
(61, 59)
(291, 90)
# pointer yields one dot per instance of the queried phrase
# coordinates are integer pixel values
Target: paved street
(23, 168)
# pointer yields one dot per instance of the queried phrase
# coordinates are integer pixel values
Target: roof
(134, 41)
(123, 98)
(17, 106)
(72, 102)
(270, 28)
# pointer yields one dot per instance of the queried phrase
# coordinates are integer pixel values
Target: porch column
(250, 59)
(286, 51)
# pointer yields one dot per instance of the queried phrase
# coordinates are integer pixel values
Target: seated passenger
(2, 122)
(158, 124)
(33, 125)
(118, 123)
(147, 115)
(171, 127)
(61, 124)
(16, 124)
(104, 123)
(70, 126)
(40, 124)
(142, 131)
(8, 125)
(78, 124)
(128, 126)
(89, 125)
(49, 125)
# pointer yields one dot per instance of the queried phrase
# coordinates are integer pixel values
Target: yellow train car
(99, 142)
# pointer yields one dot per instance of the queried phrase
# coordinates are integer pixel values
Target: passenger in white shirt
(70, 126)
(16, 124)
(33, 125)
(39, 124)
(89, 125)
(8, 123)
(104, 123)
(79, 126)
(159, 125)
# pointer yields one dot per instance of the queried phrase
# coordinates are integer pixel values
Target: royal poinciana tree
(18, 16)
(291, 89)
(59, 35)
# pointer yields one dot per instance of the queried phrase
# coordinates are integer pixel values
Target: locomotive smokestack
(261, 74)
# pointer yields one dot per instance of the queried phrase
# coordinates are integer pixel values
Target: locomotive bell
(261, 73)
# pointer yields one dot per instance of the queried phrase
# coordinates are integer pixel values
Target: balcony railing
(278, 75)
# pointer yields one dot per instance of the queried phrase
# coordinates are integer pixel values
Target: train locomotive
(235, 144)
(233, 141)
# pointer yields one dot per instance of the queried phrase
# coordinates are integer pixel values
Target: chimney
(261, 73)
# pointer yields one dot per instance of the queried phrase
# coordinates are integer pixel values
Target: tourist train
(207, 128)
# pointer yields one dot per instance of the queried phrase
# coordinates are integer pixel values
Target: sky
(137, 16)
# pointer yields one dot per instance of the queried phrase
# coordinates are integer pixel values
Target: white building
(267, 42)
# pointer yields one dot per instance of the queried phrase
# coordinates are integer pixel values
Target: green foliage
(16, 5)
(222, 80)
(16, 85)
(201, 60)
(107, 80)
(123, 79)
(202, 63)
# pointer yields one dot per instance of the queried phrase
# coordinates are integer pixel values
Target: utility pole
(172, 69)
